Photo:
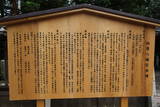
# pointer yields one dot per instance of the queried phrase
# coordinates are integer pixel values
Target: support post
(124, 102)
(40, 103)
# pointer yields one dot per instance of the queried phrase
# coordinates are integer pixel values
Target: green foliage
(154, 9)
(137, 6)
(102, 3)
(149, 8)
(35, 5)
(29, 6)
(48, 4)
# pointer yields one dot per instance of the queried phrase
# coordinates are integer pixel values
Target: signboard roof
(79, 8)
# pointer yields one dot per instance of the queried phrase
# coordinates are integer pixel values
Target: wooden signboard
(80, 55)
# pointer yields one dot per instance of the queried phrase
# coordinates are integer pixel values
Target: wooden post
(40, 103)
(124, 102)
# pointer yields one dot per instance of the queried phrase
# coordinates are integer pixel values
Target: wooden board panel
(79, 56)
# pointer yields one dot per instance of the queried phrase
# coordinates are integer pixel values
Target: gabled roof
(79, 8)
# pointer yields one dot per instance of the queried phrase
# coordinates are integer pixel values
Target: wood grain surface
(80, 56)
